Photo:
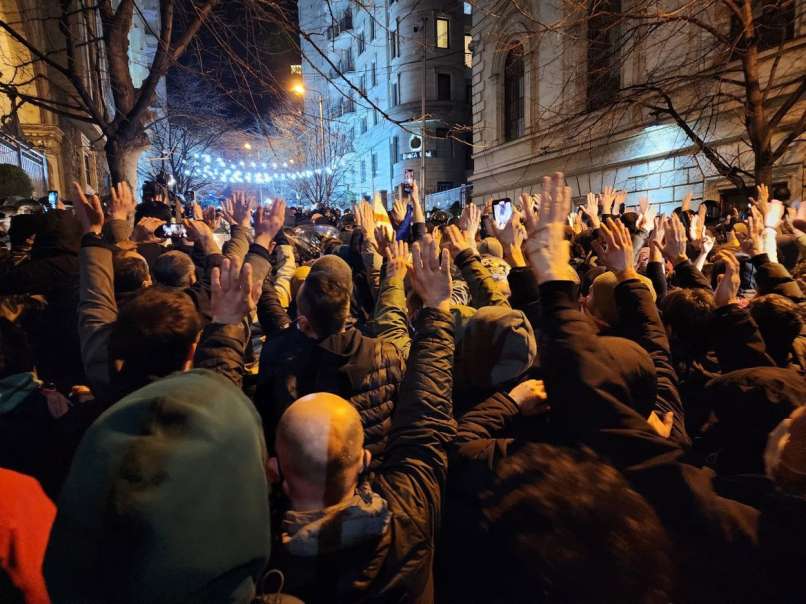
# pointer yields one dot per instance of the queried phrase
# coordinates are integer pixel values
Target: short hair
(779, 320)
(174, 269)
(325, 302)
(130, 272)
(556, 515)
(154, 331)
(688, 312)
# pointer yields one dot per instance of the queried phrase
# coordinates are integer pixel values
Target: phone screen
(53, 199)
(502, 212)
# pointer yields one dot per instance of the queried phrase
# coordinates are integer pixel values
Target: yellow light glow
(247, 146)
(298, 88)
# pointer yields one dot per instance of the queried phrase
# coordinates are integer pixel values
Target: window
(604, 71)
(371, 27)
(513, 93)
(363, 171)
(443, 33)
(443, 87)
(395, 150)
(373, 77)
(393, 43)
(375, 115)
(364, 124)
(362, 84)
(773, 20)
(362, 44)
(374, 160)
(468, 52)
(296, 70)
(393, 95)
(468, 8)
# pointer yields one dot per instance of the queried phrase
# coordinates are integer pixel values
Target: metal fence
(32, 162)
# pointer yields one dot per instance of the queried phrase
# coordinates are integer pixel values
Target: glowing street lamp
(299, 89)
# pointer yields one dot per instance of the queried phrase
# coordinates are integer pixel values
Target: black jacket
(396, 566)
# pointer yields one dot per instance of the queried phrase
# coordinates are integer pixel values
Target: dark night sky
(243, 57)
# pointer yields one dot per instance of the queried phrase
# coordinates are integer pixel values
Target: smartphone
(171, 230)
(53, 199)
(502, 211)
(408, 180)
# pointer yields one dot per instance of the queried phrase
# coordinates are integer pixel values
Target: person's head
(319, 451)
(785, 456)
(16, 354)
(601, 301)
(323, 299)
(687, 316)
(167, 499)
(780, 321)
(131, 272)
(569, 528)
(174, 269)
(155, 333)
(22, 230)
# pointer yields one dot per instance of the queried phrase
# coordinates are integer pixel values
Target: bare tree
(81, 48)
(701, 64)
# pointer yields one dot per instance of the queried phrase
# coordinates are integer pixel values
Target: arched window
(513, 93)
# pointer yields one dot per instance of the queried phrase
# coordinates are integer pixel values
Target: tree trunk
(122, 157)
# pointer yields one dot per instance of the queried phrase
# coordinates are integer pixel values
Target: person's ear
(305, 327)
(191, 353)
(366, 461)
(273, 467)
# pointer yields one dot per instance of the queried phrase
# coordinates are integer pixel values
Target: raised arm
(483, 289)
(391, 320)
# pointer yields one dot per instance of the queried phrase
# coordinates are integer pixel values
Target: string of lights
(217, 169)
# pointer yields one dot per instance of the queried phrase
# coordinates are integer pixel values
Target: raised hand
(90, 213)
(418, 214)
(754, 242)
(774, 214)
(696, 229)
(398, 213)
(646, 219)
(383, 238)
(471, 222)
(268, 222)
(431, 274)
(674, 245)
(686, 201)
(727, 287)
(618, 204)
(121, 203)
(763, 197)
(457, 243)
(238, 209)
(530, 397)
(397, 260)
(198, 231)
(606, 200)
(232, 295)
(591, 209)
(211, 218)
(708, 242)
(198, 214)
(144, 230)
(615, 249)
(546, 246)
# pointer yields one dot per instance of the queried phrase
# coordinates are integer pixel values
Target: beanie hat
(166, 499)
(785, 456)
(334, 268)
(492, 247)
(496, 346)
(603, 289)
(498, 267)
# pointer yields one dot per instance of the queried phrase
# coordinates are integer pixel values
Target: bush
(14, 182)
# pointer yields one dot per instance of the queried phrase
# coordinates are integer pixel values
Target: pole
(322, 129)
(422, 110)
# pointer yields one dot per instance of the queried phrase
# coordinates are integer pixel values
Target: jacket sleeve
(415, 464)
(221, 349)
(525, 294)
(115, 231)
(390, 321)
(286, 265)
(237, 245)
(271, 315)
(478, 435)
(259, 258)
(656, 274)
(483, 289)
(639, 321)
(773, 278)
(97, 310)
(736, 340)
(687, 276)
(372, 262)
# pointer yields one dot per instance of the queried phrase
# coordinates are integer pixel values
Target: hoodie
(166, 500)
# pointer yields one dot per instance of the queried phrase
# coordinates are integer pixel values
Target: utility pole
(422, 108)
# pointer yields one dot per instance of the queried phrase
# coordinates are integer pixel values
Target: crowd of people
(254, 403)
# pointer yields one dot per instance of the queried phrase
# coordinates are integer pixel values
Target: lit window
(468, 8)
(443, 33)
(468, 52)
(296, 70)
(513, 93)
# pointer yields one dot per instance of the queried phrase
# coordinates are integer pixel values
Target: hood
(363, 518)
(14, 389)
(636, 369)
(496, 345)
(58, 232)
(166, 500)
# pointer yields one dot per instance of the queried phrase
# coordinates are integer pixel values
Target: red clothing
(26, 515)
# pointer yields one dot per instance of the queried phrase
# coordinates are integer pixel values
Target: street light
(300, 90)
(247, 146)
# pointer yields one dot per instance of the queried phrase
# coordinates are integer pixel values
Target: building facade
(542, 85)
(370, 65)
(74, 149)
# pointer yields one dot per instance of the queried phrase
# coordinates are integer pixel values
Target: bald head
(320, 445)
